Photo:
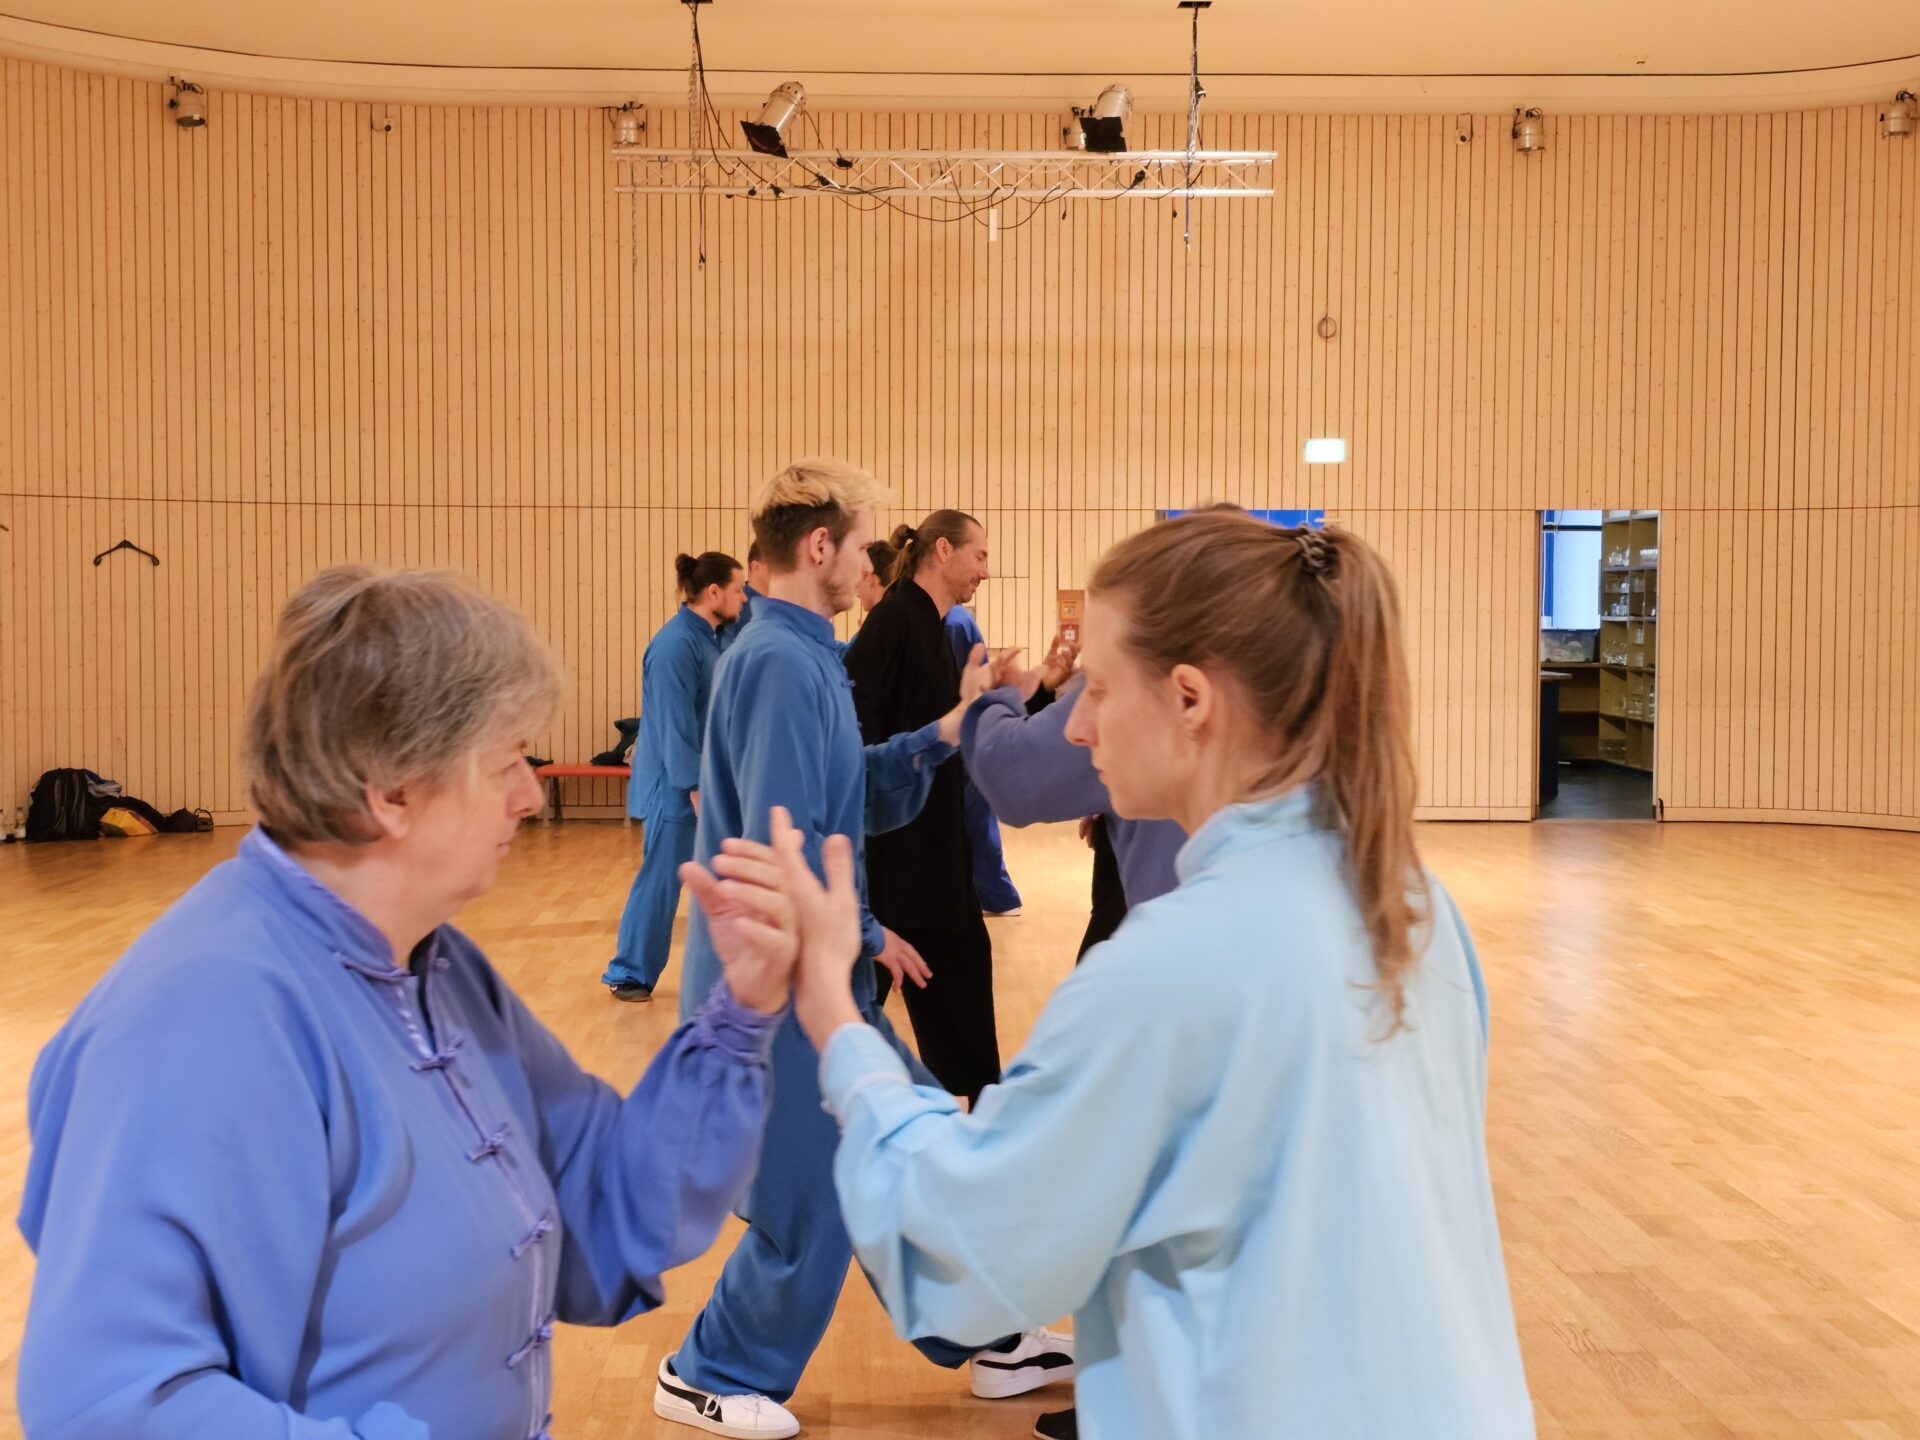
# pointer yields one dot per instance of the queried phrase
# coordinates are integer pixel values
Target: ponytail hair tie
(1315, 553)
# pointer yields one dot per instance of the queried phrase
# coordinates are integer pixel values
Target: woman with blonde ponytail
(1257, 1112)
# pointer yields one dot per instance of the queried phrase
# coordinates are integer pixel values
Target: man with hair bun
(921, 875)
(663, 793)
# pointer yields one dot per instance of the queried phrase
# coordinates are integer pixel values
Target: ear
(392, 811)
(1195, 696)
(819, 545)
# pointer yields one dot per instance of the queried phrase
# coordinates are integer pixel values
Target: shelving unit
(1629, 636)
(1579, 707)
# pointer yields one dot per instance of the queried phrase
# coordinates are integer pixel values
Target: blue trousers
(990, 879)
(778, 1291)
(646, 926)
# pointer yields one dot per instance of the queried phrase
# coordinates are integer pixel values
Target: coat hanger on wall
(126, 545)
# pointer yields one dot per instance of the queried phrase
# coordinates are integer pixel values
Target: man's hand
(976, 678)
(694, 797)
(903, 962)
(1062, 656)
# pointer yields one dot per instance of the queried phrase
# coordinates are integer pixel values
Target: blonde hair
(806, 496)
(1313, 638)
(384, 678)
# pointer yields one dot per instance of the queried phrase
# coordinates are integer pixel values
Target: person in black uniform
(920, 877)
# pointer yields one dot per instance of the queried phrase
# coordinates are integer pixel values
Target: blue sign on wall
(1285, 518)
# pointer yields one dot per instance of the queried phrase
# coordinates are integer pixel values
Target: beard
(840, 595)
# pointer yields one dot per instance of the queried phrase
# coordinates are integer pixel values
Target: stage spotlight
(1897, 118)
(1529, 131)
(189, 104)
(782, 105)
(1102, 128)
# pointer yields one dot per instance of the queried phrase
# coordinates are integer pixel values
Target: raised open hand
(751, 918)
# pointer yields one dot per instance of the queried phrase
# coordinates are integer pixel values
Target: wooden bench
(552, 775)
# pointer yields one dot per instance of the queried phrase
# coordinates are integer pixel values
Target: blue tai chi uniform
(733, 629)
(282, 1189)
(676, 677)
(990, 879)
(781, 730)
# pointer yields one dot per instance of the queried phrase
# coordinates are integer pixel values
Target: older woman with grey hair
(303, 1165)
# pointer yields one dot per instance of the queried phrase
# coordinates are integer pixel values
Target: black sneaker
(1057, 1425)
(632, 990)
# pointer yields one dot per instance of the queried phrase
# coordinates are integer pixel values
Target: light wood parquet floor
(1704, 1117)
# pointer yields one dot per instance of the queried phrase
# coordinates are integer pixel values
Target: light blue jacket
(1269, 1222)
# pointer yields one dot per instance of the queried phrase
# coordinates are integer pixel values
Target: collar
(914, 594)
(352, 937)
(698, 623)
(788, 616)
(1251, 823)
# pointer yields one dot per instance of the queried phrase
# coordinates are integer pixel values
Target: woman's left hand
(751, 917)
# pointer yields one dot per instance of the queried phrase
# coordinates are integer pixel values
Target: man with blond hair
(781, 731)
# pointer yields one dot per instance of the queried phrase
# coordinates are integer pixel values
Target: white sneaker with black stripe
(1042, 1357)
(740, 1417)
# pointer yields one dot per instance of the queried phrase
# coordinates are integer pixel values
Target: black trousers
(1109, 896)
(953, 1023)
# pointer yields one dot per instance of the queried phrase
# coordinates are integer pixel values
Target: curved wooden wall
(293, 338)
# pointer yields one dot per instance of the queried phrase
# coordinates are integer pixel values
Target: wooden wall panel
(295, 338)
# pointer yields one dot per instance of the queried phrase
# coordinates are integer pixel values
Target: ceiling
(1395, 54)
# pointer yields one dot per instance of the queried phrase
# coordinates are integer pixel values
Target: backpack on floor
(66, 806)
(70, 805)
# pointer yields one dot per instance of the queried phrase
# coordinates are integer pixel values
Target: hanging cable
(1195, 94)
(697, 124)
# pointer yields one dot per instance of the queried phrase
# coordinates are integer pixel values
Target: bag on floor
(71, 805)
(121, 823)
(65, 806)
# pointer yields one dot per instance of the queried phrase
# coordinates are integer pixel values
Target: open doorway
(1599, 618)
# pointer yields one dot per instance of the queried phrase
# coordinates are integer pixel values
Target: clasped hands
(1005, 669)
(778, 931)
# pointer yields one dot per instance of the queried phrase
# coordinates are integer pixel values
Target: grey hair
(384, 678)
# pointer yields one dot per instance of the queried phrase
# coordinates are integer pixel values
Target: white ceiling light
(1897, 118)
(629, 122)
(189, 104)
(1324, 451)
(1529, 130)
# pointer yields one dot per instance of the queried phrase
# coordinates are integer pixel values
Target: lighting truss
(969, 175)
